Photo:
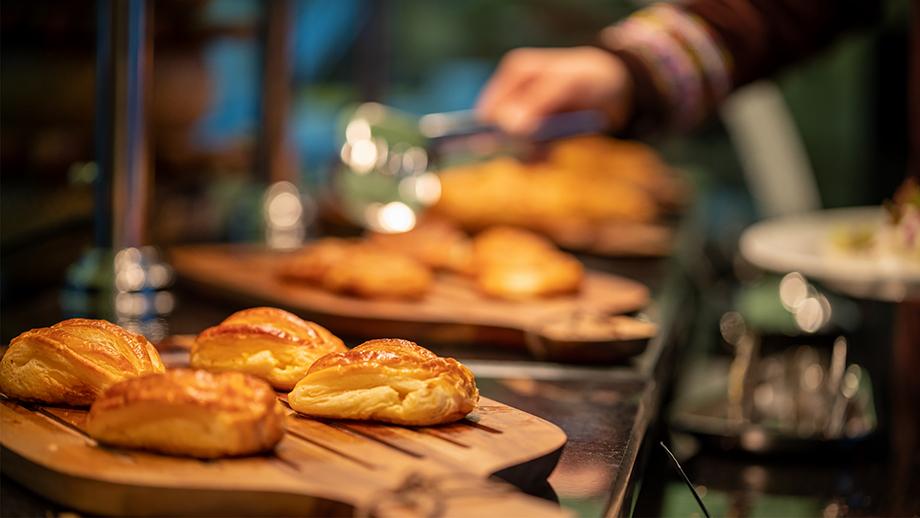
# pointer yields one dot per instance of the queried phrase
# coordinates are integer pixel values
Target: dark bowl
(590, 339)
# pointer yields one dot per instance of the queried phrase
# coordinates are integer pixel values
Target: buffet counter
(606, 411)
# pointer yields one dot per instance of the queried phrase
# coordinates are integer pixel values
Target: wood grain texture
(321, 467)
(452, 311)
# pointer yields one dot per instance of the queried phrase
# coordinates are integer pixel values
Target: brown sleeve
(762, 36)
(649, 113)
(685, 58)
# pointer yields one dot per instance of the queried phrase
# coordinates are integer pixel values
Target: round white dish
(802, 243)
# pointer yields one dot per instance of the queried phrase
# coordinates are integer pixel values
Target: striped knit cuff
(679, 56)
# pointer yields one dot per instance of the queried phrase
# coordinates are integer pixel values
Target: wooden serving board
(321, 467)
(614, 239)
(452, 311)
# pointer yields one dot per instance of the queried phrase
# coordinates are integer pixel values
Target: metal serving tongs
(386, 175)
(461, 130)
(463, 123)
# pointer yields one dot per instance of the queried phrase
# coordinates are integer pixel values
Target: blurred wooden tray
(614, 239)
(453, 311)
(320, 468)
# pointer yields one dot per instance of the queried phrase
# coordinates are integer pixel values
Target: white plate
(802, 243)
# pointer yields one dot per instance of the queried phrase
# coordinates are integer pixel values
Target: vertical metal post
(104, 86)
(124, 53)
(283, 204)
(372, 45)
(130, 157)
(120, 279)
(274, 155)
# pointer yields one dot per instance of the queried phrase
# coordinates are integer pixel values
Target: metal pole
(120, 279)
(103, 132)
(130, 167)
(123, 56)
(275, 158)
(283, 205)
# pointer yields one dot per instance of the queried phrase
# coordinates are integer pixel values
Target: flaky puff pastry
(556, 274)
(312, 262)
(436, 243)
(73, 361)
(188, 412)
(486, 193)
(516, 264)
(358, 268)
(505, 243)
(389, 380)
(375, 273)
(270, 343)
(593, 158)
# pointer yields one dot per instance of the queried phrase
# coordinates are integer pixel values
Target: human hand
(532, 83)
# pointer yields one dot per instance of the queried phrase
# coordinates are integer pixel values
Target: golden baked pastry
(266, 342)
(188, 412)
(433, 242)
(389, 380)
(73, 361)
(312, 263)
(591, 179)
(623, 161)
(358, 268)
(489, 193)
(539, 276)
(374, 273)
(516, 264)
(503, 244)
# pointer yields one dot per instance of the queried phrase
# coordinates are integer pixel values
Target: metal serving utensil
(460, 133)
(459, 124)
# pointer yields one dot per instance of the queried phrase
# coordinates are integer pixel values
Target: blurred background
(210, 75)
(418, 56)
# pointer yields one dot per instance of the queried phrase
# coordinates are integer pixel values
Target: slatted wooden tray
(452, 311)
(321, 467)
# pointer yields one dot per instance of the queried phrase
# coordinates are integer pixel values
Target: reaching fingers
(515, 71)
(531, 84)
(522, 113)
